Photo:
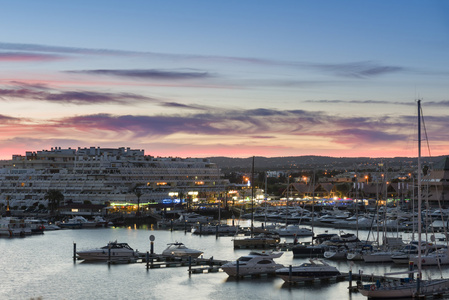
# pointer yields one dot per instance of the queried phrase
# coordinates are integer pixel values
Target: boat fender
(372, 287)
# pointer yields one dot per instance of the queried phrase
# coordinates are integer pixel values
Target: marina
(36, 270)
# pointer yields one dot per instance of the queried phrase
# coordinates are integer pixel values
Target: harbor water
(42, 267)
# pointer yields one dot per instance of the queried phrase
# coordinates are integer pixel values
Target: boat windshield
(244, 258)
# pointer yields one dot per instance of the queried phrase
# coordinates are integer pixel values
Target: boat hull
(390, 290)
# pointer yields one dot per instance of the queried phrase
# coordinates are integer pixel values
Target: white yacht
(117, 252)
(254, 263)
(180, 250)
(292, 230)
(315, 268)
(193, 217)
(77, 222)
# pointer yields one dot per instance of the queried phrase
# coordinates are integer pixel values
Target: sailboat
(262, 240)
(407, 287)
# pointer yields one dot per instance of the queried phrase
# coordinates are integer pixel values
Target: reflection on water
(42, 266)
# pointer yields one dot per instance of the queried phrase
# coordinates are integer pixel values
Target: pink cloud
(20, 57)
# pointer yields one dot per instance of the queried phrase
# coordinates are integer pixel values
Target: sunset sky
(225, 78)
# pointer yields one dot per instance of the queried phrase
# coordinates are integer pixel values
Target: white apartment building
(99, 175)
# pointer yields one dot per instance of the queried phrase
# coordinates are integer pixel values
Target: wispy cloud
(149, 74)
(243, 125)
(43, 92)
(72, 97)
(444, 103)
(8, 120)
(254, 123)
(360, 70)
(20, 57)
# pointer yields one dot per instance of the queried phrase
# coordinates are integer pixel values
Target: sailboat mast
(252, 198)
(419, 189)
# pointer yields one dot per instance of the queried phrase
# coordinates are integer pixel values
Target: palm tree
(138, 193)
(54, 197)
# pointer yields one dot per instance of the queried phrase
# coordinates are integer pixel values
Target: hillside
(317, 162)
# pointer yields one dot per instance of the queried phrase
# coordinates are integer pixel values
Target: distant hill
(228, 164)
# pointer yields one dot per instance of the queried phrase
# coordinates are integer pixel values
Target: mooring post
(190, 265)
(148, 260)
(238, 269)
(216, 230)
(350, 278)
(201, 229)
(109, 254)
(171, 225)
(290, 271)
(74, 251)
(152, 247)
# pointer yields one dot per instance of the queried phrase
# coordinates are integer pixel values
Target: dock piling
(238, 269)
(290, 273)
(74, 251)
(190, 265)
(350, 279)
(148, 260)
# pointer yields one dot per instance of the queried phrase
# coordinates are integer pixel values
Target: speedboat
(180, 250)
(315, 268)
(253, 264)
(112, 251)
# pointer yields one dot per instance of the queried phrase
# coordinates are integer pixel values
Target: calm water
(42, 266)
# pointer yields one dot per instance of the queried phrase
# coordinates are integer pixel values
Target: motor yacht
(113, 251)
(293, 230)
(193, 217)
(77, 222)
(180, 250)
(315, 268)
(220, 229)
(254, 263)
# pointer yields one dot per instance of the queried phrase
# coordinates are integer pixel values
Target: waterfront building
(106, 175)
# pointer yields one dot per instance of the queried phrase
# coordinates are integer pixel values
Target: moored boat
(222, 229)
(315, 268)
(113, 251)
(180, 250)
(261, 240)
(293, 230)
(408, 287)
(254, 263)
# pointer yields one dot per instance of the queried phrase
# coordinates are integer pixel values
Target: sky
(225, 78)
